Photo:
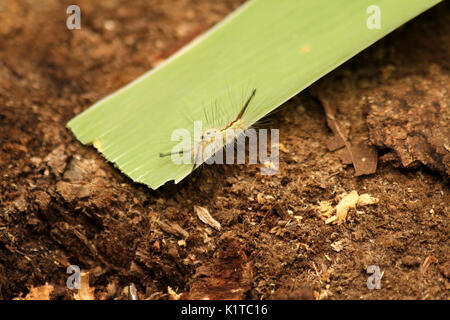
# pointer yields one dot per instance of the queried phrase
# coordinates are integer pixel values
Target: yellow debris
(305, 49)
(172, 294)
(349, 201)
(365, 200)
(326, 209)
(38, 293)
(85, 292)
(98, 145)
(283, 148)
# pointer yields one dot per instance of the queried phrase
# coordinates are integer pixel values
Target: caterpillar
(214, 138)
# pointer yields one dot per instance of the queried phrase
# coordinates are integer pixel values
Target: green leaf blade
(278, 47)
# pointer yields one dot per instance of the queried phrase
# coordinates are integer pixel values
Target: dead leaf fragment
(335, 143)
(205, 217)
(357, 149)
(364, 158)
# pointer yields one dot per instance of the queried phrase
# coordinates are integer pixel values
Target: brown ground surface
(62, 204)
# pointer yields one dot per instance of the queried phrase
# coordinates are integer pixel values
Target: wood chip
(282, 148)
(366, 199)
(334, 143)
(172, 294)
(338, 245)
(132, 292)
(364, 158)
(39, 293)
(429, 260)
(326, 209)
(330, 220)
(206, 218)
(173, 228)
(349, 201)
(85, 292)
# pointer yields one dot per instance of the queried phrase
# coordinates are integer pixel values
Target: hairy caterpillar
(215, 138)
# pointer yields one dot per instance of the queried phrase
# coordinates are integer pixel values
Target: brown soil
(62, 204)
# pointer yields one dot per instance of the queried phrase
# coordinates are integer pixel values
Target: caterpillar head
(210, 134)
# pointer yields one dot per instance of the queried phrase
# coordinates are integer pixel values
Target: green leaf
(278, 47)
